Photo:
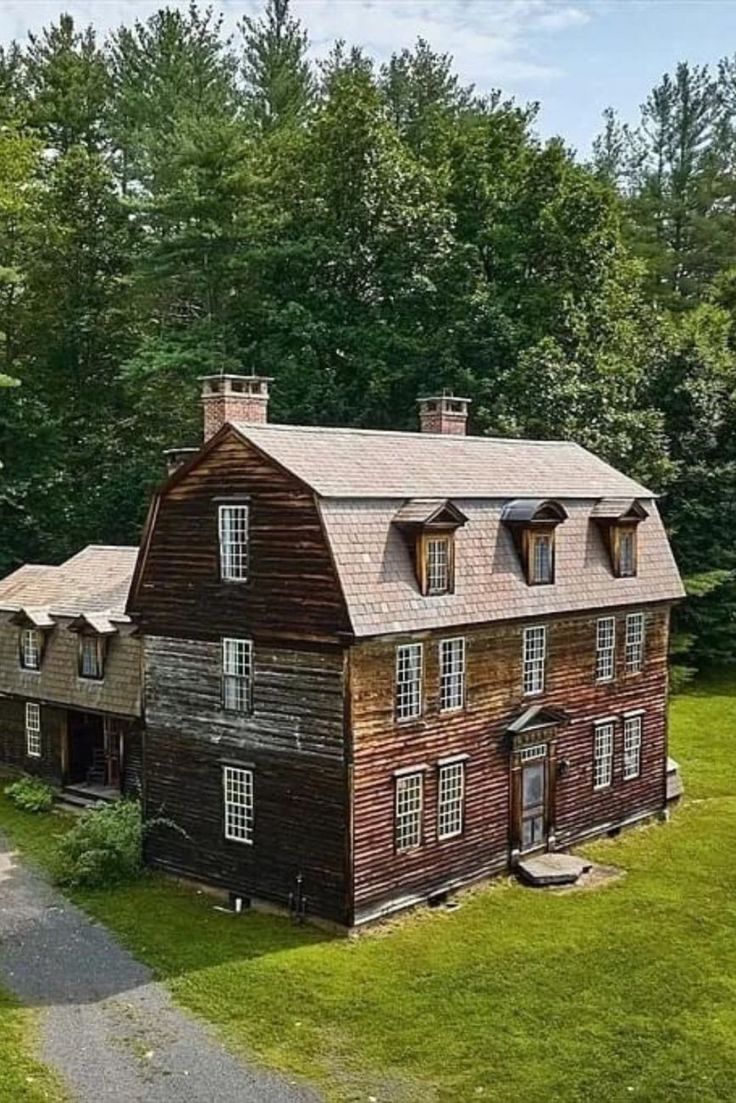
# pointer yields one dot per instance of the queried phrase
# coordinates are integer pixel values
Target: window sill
(240, 842)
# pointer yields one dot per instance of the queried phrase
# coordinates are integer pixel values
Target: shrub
(105, 847)
(31, 794)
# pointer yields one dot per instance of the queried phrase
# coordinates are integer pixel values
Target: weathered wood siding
(383, 878)
(58, 680)
(292, 590)
(13, 739)
(293, 741)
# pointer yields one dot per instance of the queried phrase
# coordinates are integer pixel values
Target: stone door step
(552, 869)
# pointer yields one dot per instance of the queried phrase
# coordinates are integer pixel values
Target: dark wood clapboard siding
(13, 739)
(494, 698)
(294, 743)
(292, 591)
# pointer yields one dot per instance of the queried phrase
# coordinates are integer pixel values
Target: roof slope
(96, 579)
(378, 580)
(366, 463)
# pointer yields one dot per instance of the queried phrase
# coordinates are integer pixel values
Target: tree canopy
(174, 201)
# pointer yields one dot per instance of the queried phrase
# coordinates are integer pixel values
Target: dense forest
(175, 202)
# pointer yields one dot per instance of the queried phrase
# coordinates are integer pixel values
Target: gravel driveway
(108, 1029)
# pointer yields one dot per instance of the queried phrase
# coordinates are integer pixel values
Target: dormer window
(532, 525)
(429, 526)
(618, 523)
(92, 657)
(31, 644)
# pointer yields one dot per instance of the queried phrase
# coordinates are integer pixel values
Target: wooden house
(70, 674)
(380, 666)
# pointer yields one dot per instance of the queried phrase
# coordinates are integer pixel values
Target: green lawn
(22, 1079)
(625, 992)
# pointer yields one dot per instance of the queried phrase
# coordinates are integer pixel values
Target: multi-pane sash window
(627, 553)
(603, 755)
(634, 642)
(632, 747)
(30, 649)
(33, 729)
(91, 663)
(438, 564)
(450, 800)
(233, 526)
(605, 650)
(535, 647)
(238, 792)
(541, 558)
(409, 800)
(237, 675)
(408, 681)
(452, 674)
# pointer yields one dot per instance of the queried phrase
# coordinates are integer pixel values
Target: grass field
(22, 1079)
(625, 992)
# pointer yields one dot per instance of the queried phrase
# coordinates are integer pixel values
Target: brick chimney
(445, 413)
(233, 398)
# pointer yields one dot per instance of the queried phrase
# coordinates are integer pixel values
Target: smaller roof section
(97, 623)
(95, 580)
(429, 513)
(537, 718)
(619, 509)
(28, 617)
(530, 510)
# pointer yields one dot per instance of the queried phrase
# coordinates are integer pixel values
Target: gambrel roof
(363, 479)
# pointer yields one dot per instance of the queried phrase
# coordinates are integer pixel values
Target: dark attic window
(429, 527)
(618, 523)
(532, 523)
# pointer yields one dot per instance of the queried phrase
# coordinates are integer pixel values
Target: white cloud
(494, 42)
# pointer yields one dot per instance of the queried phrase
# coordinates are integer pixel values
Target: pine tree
(279, 84)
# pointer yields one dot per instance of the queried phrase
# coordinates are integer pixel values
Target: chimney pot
(445, 413)
(228, 398)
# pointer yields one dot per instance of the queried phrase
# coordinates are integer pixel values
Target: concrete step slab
(552, 869)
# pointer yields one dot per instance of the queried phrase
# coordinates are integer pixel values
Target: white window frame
(408, 689)
(634, 647)
(452, 674)
(408, 811)
(438, 566)
(633, 732)
(238, 803)
(603, 734)
(451, 800)
(233, 527)
(31, 645)
(626, 535)
(605, 649)
(33, 729)
(237, 675)
(96, 673)
(538, 576)
(534, 659)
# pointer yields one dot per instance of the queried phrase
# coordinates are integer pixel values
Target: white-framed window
(541, 557)
(634, 642)
(537, 750)
(603, 755)
(30, 649)
(91, 657)
(237, 675)
(408, 681)
(605, 649)
(632, 747)
(409, 804)
(233, 530)
(438, 564)
(452, 674)
(450, 800)
(535, 654)
(627, 553)
(238, 793)
(33, 729)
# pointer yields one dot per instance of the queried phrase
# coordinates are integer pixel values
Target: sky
(575, 57)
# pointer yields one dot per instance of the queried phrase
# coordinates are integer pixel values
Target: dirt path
(108, 1029)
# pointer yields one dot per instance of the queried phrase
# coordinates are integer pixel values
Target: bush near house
(31, 794)
(104, 847)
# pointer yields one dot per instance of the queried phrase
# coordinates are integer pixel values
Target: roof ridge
(246, 427)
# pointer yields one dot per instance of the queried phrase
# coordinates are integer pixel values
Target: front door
(533, 804)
